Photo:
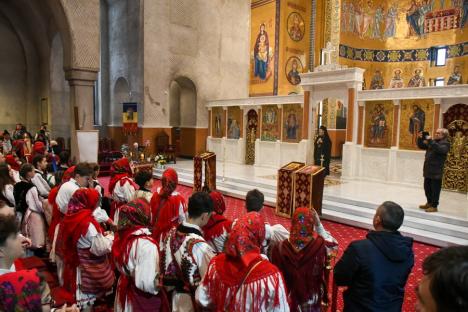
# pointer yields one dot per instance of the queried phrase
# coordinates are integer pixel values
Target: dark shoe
(425, 206)
(431, 209)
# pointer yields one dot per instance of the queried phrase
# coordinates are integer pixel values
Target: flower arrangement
(160, 160)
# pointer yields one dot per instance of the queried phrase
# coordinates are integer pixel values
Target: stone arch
(121, 94)
(182, 103)
(183, 115)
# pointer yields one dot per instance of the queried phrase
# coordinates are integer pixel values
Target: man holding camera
(436, 153)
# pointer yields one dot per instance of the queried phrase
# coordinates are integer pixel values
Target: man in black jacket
(436, 153)
(375, 269)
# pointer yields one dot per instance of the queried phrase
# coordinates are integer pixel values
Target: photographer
(436, 153)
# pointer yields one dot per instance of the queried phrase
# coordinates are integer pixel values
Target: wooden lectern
(285, 188)
(308, 187)
(209, 159)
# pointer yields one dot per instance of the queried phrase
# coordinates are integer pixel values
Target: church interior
(333, 105)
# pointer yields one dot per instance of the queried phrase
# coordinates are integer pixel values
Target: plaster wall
(12, 78)
(124, 55)
(59, 92)
(203, 41)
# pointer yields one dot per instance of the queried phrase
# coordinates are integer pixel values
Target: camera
(425, 135)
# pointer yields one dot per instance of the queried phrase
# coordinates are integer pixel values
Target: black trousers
(432, 189)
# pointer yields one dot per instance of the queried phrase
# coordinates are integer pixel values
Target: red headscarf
(74, 225)
(21, 291)
(217, 224)
(227, 270)
(246, 238)
(39, 148)
(302, 228)
(218, 202)
(132, 217)
(119, 169)
(169, 182)
(68, 174)
(10, 159)
(302, 259)
(165, 206)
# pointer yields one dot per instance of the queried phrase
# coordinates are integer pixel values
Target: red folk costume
(57, 216)
(241, 279)
(302, 259)
(121, 174)
(96, 273)
(21, 291)
(217, 228)
(168, 207)
(136, 257)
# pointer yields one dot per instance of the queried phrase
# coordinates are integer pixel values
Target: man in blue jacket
(375, 269)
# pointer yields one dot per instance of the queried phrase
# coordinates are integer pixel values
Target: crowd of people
(154, 251)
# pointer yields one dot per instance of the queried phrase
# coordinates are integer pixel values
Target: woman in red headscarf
(241, 279)
(302, 259)
(136, 256)
(218, 227)
(121, 185)
(87, 271)
(60, 178)
(15, 165)
(168, 207)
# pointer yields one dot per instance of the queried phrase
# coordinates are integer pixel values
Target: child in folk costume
(74, 178)
(15, 164)
(218, 226)
(40, 177)
(136, 257)
(87, 271)
(185, 255)
(30, 209)
(81, 176)
(121, 185)
(302, 259)
(168, 207)
(144, 180)
(241, 278)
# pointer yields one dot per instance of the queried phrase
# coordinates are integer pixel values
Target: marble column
(225, 123)
(305, 119)
(396, 123)
(241, 125)
(82, 103)
(209, 122)
(360, 123)
(350, 117)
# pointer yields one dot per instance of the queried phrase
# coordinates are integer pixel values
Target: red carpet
(343, 233)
